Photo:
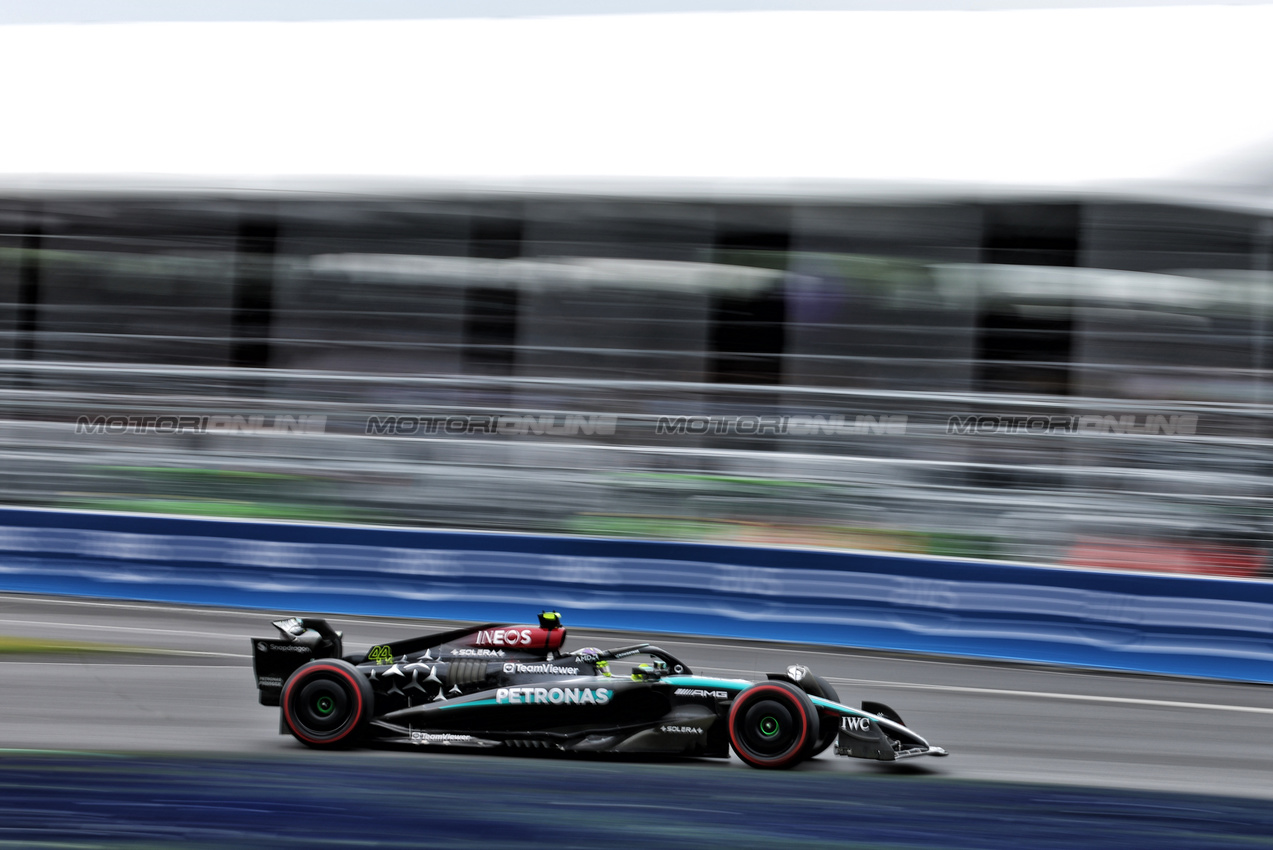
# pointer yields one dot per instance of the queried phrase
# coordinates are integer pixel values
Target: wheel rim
(768, 729)
(323, 707)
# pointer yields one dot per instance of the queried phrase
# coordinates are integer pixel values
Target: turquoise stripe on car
(704, 682)
(835, 706)
(467, 704)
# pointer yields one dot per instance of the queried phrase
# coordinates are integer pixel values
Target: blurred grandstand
(1062, 379)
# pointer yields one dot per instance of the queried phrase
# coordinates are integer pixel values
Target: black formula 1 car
(513, 686)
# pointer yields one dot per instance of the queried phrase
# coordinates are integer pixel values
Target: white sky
(95, 11)
(1037, 97)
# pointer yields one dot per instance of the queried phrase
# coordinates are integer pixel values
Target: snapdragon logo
(553, 696)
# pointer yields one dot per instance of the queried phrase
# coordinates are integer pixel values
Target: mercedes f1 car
(514, 686)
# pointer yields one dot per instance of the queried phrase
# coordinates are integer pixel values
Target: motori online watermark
(1184, 424)
(573, 425)
(568, 425)
(799, 426)
(202, 424)
(589, 425)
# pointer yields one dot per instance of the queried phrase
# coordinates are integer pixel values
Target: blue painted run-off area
(1162, 624)
(284, 802)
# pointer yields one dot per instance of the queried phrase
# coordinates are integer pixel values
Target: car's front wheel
(773, 725)
(326, 703)
(829, 724)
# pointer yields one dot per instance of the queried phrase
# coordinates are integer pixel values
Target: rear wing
(301, 639)
(490, 640)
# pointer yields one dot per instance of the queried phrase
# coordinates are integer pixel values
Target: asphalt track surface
(191, 700)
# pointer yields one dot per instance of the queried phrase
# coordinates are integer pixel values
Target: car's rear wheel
(326, 703)
(773, 725)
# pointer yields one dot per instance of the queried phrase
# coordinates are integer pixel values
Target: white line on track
(82, 663)
(800, 649)
(1003, 692)
(169, 608)
(671, 641)
(108, 627)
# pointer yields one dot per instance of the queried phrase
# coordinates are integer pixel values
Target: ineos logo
(504, 637)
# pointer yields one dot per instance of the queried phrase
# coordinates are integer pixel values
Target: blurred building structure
(1062, 379)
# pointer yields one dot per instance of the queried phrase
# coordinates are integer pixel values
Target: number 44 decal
(381, 654)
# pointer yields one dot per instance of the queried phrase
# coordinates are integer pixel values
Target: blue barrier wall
(1163, 624)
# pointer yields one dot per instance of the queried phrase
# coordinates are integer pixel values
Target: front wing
(863, 734)
(870, 736)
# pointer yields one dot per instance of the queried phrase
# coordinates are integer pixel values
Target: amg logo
(699, 692)
(857, 724)
(553, 696)
(541, 668)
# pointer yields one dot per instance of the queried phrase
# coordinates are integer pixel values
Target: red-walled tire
(773, 725)
(326, 703)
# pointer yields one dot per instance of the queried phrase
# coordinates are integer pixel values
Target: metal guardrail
(1071, 480)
